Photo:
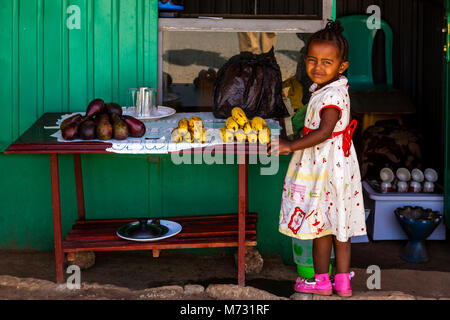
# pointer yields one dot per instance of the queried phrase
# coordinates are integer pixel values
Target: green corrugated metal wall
(47, 67)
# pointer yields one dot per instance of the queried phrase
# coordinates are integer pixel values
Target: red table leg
(59, 254)
(79, 186)
(243, 206)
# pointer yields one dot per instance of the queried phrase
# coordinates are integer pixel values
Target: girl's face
(323, 64)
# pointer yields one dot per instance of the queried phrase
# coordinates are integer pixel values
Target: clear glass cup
(132, 97)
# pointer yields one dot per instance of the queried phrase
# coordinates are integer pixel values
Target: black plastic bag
(251, 82)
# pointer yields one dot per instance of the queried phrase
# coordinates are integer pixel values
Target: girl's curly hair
(333, 33)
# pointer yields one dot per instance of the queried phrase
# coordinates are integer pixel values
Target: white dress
(322, 189)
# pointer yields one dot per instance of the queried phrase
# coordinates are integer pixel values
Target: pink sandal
(321, 284)
(342, 285)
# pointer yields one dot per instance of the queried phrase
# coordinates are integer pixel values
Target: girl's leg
(342, 251)
(342, 277)
(321, 254)
(321, 283)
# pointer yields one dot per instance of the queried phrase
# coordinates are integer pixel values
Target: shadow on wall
(187, 57)
(294, 55)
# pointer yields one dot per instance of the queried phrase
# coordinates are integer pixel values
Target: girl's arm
(329, 118)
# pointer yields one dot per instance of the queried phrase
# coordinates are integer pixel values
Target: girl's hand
(282, 147)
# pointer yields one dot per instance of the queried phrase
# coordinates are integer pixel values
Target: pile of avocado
(102, 121)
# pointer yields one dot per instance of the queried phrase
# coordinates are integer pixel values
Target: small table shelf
(228, 230)
(197, 232)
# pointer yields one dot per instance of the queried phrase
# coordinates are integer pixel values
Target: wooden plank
(182, 235)
(129, 245)
(196, 219)
(185, 229)
(182, 223)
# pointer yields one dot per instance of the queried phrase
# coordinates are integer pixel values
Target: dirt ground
(132, 275)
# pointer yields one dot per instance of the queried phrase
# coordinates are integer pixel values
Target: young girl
(322, 197)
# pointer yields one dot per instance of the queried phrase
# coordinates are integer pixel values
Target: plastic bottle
(303, 257)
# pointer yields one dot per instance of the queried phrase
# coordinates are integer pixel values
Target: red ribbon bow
(347, 139)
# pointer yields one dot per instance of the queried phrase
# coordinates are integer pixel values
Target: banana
(247, 128)
(231, 124)
(176, 136)
(188, 137)
(227, 135)
(196, 133)
(239, 116)
(200, 137)
(258, 124)
(240, 136)
(252, 137)
(264, 136)
(194, 122)
(183, 126)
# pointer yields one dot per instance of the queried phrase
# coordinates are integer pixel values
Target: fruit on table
(239, 116)
(247, 128)
(120, 128)
(96, 106)
(70, 131)
(113, 108)
(231, 124)
(104, 129)
(252, 137)
(183, 126)
(136, 128)
(195, 121)
(264, 136)
(226, 134)
(199, 135)
(258, 124)
(176, 136)
(240, 136)
(191, 130)
(69, 120)
(87, 130)
(253, 131)
(102, 121)
(187, 137)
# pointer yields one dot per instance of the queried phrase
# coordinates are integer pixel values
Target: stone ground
(30, 275)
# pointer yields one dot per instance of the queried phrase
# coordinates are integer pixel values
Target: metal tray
(174, 228)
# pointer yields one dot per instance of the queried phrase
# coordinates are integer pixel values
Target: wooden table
(227, 230)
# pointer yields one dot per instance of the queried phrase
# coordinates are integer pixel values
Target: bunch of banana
(231, 124)
(239, 116)
(252, 137)
(195, 122)
(240, 136)
(177, 137)
(243, 130)
(183, 126)
(258, 124)
(189, 131)
(264, 136)
(227, 134)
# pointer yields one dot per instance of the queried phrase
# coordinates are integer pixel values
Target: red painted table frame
(38, 140)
